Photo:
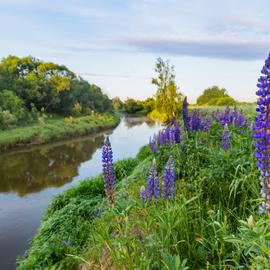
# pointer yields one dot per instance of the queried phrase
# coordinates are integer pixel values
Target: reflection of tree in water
(137, 121)
(48, 166)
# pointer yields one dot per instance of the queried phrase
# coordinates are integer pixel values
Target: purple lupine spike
(152, 145)
(196, 121)
(177, 133)
(185, 115)
(218, 116)
(108, 170)
(241, 119)
(168, 180)
(143, 194)
(225, 142)
(207, 124)
(261, 135)
(225, 118)
(152, 182)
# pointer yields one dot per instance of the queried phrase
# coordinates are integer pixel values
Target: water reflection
(47, 166)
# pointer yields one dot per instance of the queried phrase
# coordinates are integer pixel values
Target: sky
(115, 43)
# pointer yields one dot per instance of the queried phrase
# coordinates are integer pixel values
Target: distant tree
(117, 103)
(211, 95)
(168, 99)
(132, 106)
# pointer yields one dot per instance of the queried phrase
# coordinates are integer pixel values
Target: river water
(30, 177)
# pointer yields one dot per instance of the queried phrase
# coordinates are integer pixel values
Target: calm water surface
(29, 178)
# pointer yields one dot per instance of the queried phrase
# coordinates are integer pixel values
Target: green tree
(211, 95)
(117, 103)
(12, 103)
(168, 99)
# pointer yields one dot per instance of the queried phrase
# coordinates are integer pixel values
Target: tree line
(29, 86)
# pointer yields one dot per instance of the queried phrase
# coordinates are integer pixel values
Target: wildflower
(168, 180)
(225, 143)
(196, 121)
(200, 141)
(206, 124)
(108, 170)
(152, 145)
(152, 185)
(143, 194)
(261, 134)
(177, 132)
(97, 213)
(185, 115)
(69, 242)
(225, 117)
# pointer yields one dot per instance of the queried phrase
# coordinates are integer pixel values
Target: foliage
(117, 103)
(215, 96)
(168, 99)
(27, 83)
(52, 129)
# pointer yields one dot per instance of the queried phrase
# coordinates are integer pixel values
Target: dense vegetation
(53, 129)
(30, 87)
(215, 96)
(211, 222)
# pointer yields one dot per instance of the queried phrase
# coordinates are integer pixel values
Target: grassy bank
(56, 129)
(211, 223)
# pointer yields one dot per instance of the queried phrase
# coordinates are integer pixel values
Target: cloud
(224, 48)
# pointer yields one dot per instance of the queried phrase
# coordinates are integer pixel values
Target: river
(29, 179)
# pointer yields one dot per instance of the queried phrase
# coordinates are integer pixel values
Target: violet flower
(185, 115)
(152, 182)
(168, 180)
(261, 134)
(108, 170)
(225, 142)
(207, 124)
(143, 194)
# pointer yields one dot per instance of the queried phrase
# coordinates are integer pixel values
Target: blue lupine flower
(225, 142)
(153, 183)
(185, 115)
(207, 124)
(261, 135)
(143, 194)
(152, 145)
(108, 170)
(168, 180)
(225, 117)
(177, 132)
(196, 120)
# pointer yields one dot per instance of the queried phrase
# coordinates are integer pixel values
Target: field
(57, 128)
(210, 221)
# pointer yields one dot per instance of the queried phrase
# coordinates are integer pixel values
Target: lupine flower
(225, 118)
(225, 142)
(152, 182)
(97, 213)
(143, 194)
(200, 141)
(261, 134)
(168, 180)
(196, 121)
(108, 170)
(152, 145)
(177, 133)
(185, 115)
(206, 124)
(241, 119)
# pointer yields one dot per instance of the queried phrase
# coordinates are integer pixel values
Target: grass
(212, 222)
(56, 129)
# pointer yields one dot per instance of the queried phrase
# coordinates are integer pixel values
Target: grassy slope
(212, 223)
(56, 129)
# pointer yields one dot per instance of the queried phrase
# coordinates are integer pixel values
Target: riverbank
(56, 129)
(212, 221)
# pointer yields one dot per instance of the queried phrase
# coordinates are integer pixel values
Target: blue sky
(115, 43)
